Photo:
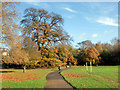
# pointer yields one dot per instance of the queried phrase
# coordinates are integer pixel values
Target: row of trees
(99, 53)
(40, 41)
(30, 57)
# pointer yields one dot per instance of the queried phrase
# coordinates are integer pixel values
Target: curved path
(55, 80)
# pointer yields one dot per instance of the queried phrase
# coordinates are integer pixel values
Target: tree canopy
(44, 28)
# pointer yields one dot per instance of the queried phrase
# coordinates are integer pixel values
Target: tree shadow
(6, 71)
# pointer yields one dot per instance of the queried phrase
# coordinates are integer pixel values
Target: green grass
(33, 78)
(101, 77)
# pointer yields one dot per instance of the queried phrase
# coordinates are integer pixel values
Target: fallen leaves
(75, 75)
(21, 77)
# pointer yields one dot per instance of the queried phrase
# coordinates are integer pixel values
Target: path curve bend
(55, 80)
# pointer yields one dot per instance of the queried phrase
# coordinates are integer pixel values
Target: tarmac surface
(56, 82)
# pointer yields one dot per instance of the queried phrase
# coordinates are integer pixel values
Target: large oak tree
(44, 28)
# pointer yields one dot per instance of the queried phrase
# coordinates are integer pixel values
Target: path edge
(66, 80)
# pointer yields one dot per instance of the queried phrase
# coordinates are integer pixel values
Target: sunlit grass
(33, 78)
(101, 77)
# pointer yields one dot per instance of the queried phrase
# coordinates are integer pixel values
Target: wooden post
(90, 66)
(86, 66)
(24, 69)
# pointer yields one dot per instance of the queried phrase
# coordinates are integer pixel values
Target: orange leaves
(22, 77)
(87, 59)
(44, 40)
(75, 75)
(99, 47)
(45, 27)
(53, 32)
(50, 62)
(92, 55)
(48, 16)
(35, 27)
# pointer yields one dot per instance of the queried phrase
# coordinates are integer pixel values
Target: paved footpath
(55, 80)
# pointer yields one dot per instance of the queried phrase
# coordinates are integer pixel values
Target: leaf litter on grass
(22, 77)
(75, 75)
(72, 75)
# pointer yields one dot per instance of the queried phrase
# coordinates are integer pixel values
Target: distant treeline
(99, 53)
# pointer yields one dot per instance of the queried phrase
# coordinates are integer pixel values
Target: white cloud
(70, 10)
(94, 35)
(107, 21)
(82, 36)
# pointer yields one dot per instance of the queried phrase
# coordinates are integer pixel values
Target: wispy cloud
(108, 9)
(36, 4)
(94, 35)
(69, 17)
(70, 10)
(108, 31)
(107, 21)
(33, 3)
(41, 4)
(82, 36)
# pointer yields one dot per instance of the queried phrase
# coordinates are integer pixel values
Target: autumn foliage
(99, 53)
(43, 42)
(40, 41)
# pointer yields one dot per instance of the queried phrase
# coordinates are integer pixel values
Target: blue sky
(95, 21)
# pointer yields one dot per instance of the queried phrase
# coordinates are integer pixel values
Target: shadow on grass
(6, 71)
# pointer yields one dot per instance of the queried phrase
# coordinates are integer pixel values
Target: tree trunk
(24, 69)
(86, 66)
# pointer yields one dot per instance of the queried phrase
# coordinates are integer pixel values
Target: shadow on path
(55, 80)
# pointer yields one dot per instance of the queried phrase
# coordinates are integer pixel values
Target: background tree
(106, 57)
(65, 53)
(10, 36)
(93, 55)
(31, 48)
(9, 26)
(84, 44)
(115, 51)
(17, 55)
(82, 51)
(99, 48)
(81, 56)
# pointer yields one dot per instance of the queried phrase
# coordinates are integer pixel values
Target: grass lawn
(101, 77)
(33, 78)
